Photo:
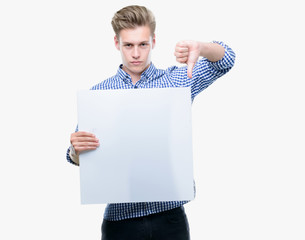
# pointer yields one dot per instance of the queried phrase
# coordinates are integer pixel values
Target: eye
(127, 45)
(144, 45)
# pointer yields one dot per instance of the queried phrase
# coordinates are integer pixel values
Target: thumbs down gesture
(188, 52)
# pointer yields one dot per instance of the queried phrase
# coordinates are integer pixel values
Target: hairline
(152, 34)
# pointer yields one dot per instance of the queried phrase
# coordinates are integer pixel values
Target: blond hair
(131, 17)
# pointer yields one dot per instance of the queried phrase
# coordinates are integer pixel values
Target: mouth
(136, 63)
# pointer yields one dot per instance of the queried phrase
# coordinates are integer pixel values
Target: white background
(248, 127)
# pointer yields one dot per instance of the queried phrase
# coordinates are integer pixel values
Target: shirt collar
(146, 75)
(122, 74)
(149, 72)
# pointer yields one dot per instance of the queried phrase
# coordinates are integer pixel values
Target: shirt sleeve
(204, 73)
(69, 156)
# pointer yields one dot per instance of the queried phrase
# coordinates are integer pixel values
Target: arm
(212, 51)
(189, 51)
(201, 74)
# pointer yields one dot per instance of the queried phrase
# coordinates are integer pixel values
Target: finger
(85, 140)
(183, 44)
(83, 134)
(181, 54)
(190, 67)
(181, 60)
(78, 150)
(181, 49)
(84, 146)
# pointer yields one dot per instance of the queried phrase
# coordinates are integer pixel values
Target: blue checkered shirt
(204, 74)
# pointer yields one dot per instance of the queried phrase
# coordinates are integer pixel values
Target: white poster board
(145, 151)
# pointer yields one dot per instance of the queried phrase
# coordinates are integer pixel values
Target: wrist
(73, 155)
(203, 49)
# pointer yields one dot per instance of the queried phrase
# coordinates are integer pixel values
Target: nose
(136, 52)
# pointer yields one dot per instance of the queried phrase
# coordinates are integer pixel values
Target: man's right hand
(83, 141)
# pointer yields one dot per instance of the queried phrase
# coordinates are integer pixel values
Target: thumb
(190, 67)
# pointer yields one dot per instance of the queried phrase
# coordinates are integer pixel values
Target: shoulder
(176, 71)
(105, 84)
(171, 69)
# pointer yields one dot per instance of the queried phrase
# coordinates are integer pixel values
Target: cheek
(123, 53)
(148, 53)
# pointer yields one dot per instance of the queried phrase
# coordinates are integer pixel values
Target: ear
(153, 41)
(117, 42)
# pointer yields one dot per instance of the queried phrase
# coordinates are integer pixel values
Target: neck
(135, 77)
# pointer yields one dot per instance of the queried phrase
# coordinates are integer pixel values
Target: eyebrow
(124, 43)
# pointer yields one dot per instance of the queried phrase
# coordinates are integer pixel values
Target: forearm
(212, 51)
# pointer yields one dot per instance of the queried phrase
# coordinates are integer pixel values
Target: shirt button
(135, 87)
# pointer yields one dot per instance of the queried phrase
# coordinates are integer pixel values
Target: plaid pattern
(204, 74)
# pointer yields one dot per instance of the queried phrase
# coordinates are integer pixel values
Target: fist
(188, 52)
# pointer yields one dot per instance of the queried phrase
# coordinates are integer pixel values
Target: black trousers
(168, 225)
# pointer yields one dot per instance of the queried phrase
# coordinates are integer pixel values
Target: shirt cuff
(72, 157)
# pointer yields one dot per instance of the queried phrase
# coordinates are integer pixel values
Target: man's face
(135, 46)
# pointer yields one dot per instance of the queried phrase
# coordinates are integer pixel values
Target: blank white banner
(145, 151)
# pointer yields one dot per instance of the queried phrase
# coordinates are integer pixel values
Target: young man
(134, 28)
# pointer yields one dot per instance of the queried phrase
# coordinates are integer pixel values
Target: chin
(138, 69)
